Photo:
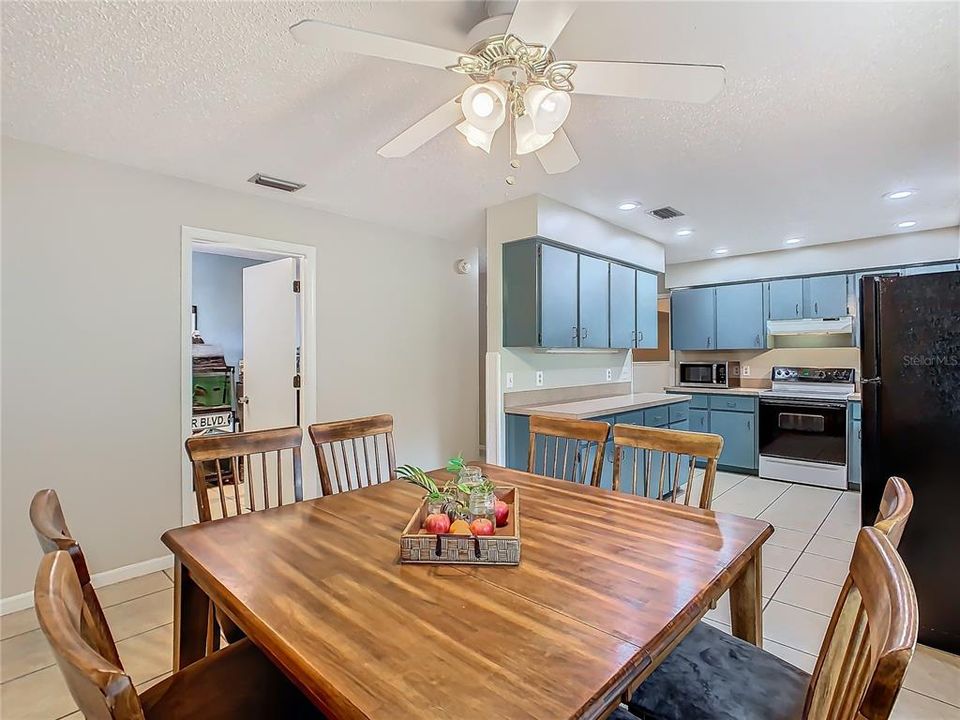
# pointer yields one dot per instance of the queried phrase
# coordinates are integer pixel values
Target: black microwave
(708, 374)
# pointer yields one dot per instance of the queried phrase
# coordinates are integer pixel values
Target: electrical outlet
(745, 370)
(539, 378)
(609, 374)
(509, 380)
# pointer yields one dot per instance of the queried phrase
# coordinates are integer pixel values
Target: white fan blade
(558, 155)
(335, 37)
(655, 81)
(539, 22)
(423, 130)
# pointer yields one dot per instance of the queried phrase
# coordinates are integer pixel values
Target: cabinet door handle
(576, 333)
(730, 403)
(583, 333)
(758, 339)
(816, 307)
(748, 425)
(708, 340)
(798, 310)
(640, 338)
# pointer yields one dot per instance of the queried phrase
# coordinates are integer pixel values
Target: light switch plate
(509, 380)
(539, 378)
(609, 374)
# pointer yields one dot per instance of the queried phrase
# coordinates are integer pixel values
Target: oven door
(810, 430)
(697, 373)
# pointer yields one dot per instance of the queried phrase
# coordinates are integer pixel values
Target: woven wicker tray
(419, 546)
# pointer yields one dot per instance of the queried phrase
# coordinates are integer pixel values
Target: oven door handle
(826, 404)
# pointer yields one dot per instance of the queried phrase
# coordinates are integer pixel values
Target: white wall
(218, 295)
(91, 331)
(886, 251)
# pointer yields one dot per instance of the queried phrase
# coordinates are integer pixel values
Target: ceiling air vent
(276, 183)
(665, 213)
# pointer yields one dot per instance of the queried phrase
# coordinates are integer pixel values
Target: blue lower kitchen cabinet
(699, 420)
(854, 437)
(738, 432)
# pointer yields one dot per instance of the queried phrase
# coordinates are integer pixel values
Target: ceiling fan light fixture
(528, 139)
(475, 136)
(548, 108)
(485, 106)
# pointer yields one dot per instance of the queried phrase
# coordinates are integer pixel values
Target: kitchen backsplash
(761, 362)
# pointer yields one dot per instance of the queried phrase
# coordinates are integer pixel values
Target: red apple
(482, 526)
(437, 524)
(502, 512)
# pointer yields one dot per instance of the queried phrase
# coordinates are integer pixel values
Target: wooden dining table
(608, 583)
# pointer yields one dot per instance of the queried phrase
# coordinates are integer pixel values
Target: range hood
(811, 326)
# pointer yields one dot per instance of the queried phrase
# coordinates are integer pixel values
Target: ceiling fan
(517, 82)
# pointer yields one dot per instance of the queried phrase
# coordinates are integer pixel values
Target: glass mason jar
(470, 476)
(482, 504)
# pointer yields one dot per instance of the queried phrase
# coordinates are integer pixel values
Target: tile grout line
(116, 604)
(117, 642)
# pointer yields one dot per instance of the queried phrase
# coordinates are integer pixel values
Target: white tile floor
(804, 563)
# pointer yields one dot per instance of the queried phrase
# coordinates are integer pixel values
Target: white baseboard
(108, 577)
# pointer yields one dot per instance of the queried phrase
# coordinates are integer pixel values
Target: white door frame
(307, 254)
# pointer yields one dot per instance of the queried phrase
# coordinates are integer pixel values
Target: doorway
(248, 343)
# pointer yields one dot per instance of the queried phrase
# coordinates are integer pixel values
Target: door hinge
(296, 380)
(296, 286)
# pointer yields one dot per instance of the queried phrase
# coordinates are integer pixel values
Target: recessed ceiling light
(793, 241)
(684, 232)
(721, 251)
(906, 224)
(630, 205)
(899, 194)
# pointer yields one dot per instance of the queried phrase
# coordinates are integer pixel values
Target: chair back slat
(211, 454)
(46, 516)
(583, 448)
(870, 639)
(673, 455)
(99, 686)
(339, 446)
(895, 508)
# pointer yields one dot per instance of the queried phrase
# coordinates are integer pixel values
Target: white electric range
(803, 425)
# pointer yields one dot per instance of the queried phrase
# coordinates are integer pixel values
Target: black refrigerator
(911, 427)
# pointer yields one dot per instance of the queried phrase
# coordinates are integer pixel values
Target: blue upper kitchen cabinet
(693, 316)
(623, 305)
(558, 297)
(926, 269)
(825, 296)
(785, 299)
(647, 326)
(740, 321)
(539, 295)
(594, 302)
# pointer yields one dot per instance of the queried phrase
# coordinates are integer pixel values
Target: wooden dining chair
(46, 516)
(895, 508)
(340, 444)
(862, 662)
(643, 456)
(249, 454)
(588, 438)
(237, 682)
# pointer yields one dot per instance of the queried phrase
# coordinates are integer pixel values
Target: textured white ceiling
(827, 106)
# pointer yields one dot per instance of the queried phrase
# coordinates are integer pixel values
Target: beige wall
(91, 330)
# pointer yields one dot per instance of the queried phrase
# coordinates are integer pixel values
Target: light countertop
(853, 397)
(716, 390)
(582, 409)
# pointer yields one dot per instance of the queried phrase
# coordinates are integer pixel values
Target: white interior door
(270, 324)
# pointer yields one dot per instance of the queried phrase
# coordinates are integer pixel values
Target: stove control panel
(812, 375)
